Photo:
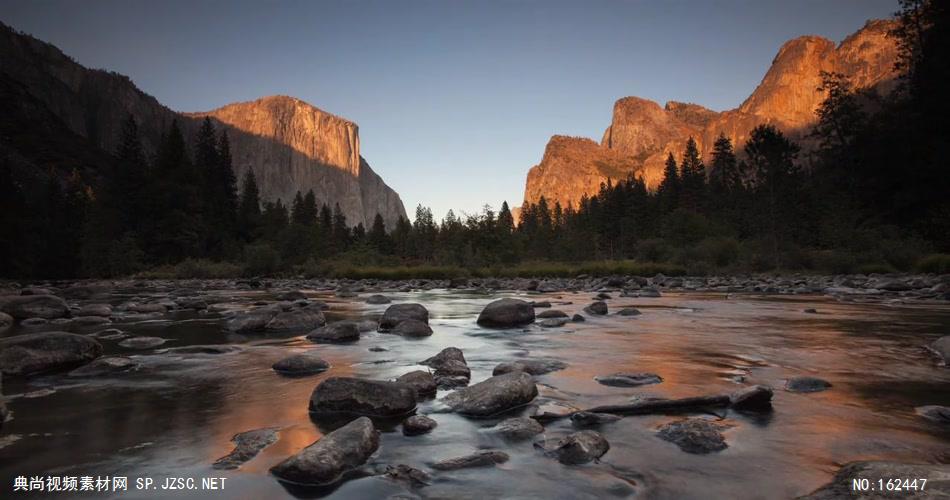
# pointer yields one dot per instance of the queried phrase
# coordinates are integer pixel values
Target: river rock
(412, 328)
(597, 308)
(302, 319)
(409, 475)
(694, 435)
(649, 292)
(340, 331)
(90, 320)
(324, 461)
(840, 487)
(579, 447)
(105, 366)
(211, 350)
(444, 356)
(397, 313)
(141, 343)
(418, 424)
(422, 381)
(553, 322)
(806, 384)
(6, 322)
(95, 310)
(291, 296)
(32, 322)
(629, 311)
(577, 318)
(941, 346)
(377, 299)
(530, 366)
(494, 395)
(629, 379)
(374, 398)
(518, 428)
(250, 321)
(755, 398)
(552, 410)
(588, 419)
(551, 313)
(935, 413)
(505, 313)
(33, 353)
(34, 306)
(246, 446)
(483, 458)
(301, 364)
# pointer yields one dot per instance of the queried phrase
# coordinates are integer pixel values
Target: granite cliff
(290, 144)
(642, 132)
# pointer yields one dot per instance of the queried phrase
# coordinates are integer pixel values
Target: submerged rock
(34, 306)
(518, 428)
(629, 379)
(301, 364)
(505, 313)
(694, 435)
(324, 461)
(482, 458)
(341, 331)
(597, 308)
(588, 419)
(412, 328)
(755, 398)
(418, 424)
(578, 448)
(494, 395)
(398, 313)
(377, 299)
(841, 486)
(935, 413)
(105, 366)
(34, 353)
(141, 343)
(551, 313)
(806, 384)
(305, 318)
(246, 446)
(410, 475)
(531, 366)
(553, 322)
(423, 382)
(629, 311)
(354, 396)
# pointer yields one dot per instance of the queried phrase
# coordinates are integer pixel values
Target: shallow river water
(176, 414)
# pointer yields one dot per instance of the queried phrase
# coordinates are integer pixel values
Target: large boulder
(341, 331)
(33, 353)
(494, 395)
(444, 356)
(842, 485)
(354, 396)
(34, 306)
(324, 461)
(397, 313)
(505, 313)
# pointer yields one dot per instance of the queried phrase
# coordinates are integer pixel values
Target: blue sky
(455, 100)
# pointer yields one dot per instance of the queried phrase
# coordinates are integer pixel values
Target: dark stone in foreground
(34, 353)
(341, 331)
(450, 368)
(423, 382)
(412, 328)
(324, 461)
(445, 355)
(505, 313)
(588, 419)
(530, 366)
(478, 459)
(397, 313)
(418, 424)
(518, 428)
(840, 487)
(105, 366)
(301, 364)
(629, 379)
(579, 448)
(246, 446)
(755, 398)
(494, 395)
(34, 306)
(806, 384)
(374, 398)
(694, 435)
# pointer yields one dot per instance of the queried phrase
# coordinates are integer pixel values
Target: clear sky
(455, 100)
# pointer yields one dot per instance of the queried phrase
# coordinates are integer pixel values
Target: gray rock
(553, 322)
(246, 446)
(494, 395)
(506, 313)
(649, 292)
(579, 448)
(341, 331)
(302, 319)
(324, 461)
(518, 428)
(941, 346)
(95, 310)
(423, 382)
(410, 475)
(412, 328)
(105, 366)
(377, 299)
(6, 322)
(935, 413)
(840, 487)
(445, 355)
(588, 419)
(552, 410)
(577, 318)
(141, 343)
(397, 313)
(531, 366)
(551, 313)
(418, 424)
(34, 353)
(629, 311)
(629, 379)
(34, 306)
(597, 308)
(301, 364)
(806, 384)
(483, 458)
(755, 398)
(694, 435)
(250, 321)
(354, 396)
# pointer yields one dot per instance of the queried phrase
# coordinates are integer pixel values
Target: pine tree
(669, 189)
(378, 239)
(249, 210)
(226, 181)
(341, 232)
(693, 175)
(724, 176)
(125, 189)
(772, 159)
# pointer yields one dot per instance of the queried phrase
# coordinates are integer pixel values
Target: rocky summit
(642, 133)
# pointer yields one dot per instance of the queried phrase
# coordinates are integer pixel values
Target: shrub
(720, 252)
(261, 259)
(937, 263)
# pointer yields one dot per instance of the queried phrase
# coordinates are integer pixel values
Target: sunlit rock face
(290, 144)
(642, 133)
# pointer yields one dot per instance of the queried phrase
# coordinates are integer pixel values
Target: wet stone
(336, 453)
(410, 475)
(629, 311)
(935, 413)
(531, 366)
(598, 308)
(105, 366)
(629, 379)
(341, 331)
(246, 446)
(422, 381)
(484, 458)
(518, 428)
(587, 419)
(301, 364)
(806, 384)
(141, 343)
(506, 313)
(578, 448)
(398, 313)
(553, 322)
(552, 313)
(418, 424)
(694, 435)
(494, 395)
(412, 328)
(35, 353)
(377, 299)
(354, 396)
